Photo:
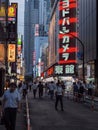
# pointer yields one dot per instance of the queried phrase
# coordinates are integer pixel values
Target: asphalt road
(75, 116)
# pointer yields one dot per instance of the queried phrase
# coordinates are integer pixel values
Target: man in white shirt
(59, 92)
(34, 86)
(51, 89)
(10, 104)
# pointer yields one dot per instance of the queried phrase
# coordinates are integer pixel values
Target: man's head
(12, 87)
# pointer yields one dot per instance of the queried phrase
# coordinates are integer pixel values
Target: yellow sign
(2, 12)
(2, 52)
(12, 11)
(11, 52)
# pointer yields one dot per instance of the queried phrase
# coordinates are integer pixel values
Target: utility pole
(83, 54)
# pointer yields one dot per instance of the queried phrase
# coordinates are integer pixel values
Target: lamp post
(83, 54)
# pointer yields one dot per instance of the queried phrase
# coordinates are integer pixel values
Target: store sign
(11, 52)
(50, 71)
(12, 11)
(64, 69)
(2, 11)
(67, 26)
(2, 52)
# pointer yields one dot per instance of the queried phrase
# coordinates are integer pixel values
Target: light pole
(83, 54)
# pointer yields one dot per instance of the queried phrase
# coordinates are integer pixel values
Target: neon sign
(67, 25)
(11, 11)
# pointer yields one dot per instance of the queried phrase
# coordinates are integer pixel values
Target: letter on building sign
(66, 21)
(65, 56)
(59, 69)
(65, 47)
(69, 69)
(64, 30)
(65, 39)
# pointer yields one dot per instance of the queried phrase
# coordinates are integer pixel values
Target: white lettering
(59, 69)
(69, 69)
(65, 56)
(66, 21)
(64, 30)
(65, 39)
(66, 47)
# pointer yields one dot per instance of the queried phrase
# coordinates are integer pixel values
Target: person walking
(40, 86)
(34, 86)
(51, 89)
(10, 105)
(75, 92)
(30, 85)
(59, 96)
(24, 88)
(91, 88)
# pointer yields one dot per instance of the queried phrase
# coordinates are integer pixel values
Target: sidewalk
(21, 119)
(88, 101)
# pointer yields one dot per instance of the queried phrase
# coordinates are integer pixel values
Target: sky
(20, 15)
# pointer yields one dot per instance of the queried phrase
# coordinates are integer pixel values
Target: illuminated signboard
(2, 52)
(64, 69)
(12, 11)
(50, 71)
(67, 43)
(60, 70)
(11, 52)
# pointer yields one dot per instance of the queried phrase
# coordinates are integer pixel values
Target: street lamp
(83, 53)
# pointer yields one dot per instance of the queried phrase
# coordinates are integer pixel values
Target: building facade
(30, 19)
(87, 29)
(35, 25)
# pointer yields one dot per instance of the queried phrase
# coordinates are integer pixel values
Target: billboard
(11, 52)
(2, 52)
(67, 43)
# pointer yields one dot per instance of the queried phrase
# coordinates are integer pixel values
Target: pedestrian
(30, 85)
(51, 89)
(24, 88)
(81, 92)
(59, 93)
(10, 105)
(75, 92)
(91, 88)
(34, 87)
(40, 87)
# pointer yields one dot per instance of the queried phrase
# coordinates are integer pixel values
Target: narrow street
(75, 116)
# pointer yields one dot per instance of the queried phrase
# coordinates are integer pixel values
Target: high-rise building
(88, 29)
(36, 24)
(30, 19)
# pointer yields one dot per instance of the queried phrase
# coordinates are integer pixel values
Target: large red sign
(67, 26)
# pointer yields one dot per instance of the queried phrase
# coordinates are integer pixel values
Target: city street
(76, 116)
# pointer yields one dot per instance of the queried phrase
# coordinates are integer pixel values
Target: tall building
(30, 19)
(88, 29)
(36, 24)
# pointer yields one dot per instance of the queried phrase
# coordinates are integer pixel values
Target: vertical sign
(67, 43)
(11, 52)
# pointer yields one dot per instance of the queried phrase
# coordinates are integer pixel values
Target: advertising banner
(11, 52)
(2, 52)
(67, 43)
